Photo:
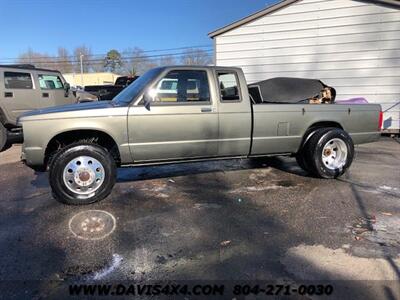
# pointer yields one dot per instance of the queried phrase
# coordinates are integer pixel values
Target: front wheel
(329, 152)
(82, 174)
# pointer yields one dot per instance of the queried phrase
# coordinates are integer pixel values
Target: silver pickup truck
(173, 114)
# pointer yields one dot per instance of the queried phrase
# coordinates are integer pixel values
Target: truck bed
(279, 128)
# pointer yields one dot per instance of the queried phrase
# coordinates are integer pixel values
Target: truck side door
(182, 122)
(234, 113)
(52, 92)
(19, 93)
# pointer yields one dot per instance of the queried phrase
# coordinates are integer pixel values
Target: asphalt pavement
(231, 220)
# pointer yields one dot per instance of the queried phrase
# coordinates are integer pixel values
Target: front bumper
(31, 158)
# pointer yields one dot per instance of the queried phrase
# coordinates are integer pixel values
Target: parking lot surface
(254, 219)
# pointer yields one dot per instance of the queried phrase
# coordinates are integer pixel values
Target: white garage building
(352, 45)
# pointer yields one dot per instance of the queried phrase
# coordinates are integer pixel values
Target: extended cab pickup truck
(183, 113)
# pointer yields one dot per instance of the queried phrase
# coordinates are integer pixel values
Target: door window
(50, 82)
(228, 86)
(187, 86)
(17, 80)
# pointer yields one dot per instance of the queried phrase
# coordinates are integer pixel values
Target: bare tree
(63, 61)
(133, 61)
(86, 59)
(97, 64)
(194, 56)
(167, 60)
(40, 60)
(136, 62)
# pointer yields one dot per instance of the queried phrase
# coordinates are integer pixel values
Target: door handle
(45, 95)
(206, 109)
(8, 94)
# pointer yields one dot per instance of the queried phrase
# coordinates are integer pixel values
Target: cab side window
(50, 82)
(188, 86)
(228, 86)
(17, 80)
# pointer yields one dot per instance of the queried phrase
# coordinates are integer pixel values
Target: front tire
(82, 173)
(329, 152)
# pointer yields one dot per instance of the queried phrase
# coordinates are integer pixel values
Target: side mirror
(148, 97)
(67, 87)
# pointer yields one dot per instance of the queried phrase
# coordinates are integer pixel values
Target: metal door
(182, 121)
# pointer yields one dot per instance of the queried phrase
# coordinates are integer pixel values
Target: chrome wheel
(334, 154)
(84, 175)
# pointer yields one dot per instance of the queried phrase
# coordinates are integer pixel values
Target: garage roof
(282, 4)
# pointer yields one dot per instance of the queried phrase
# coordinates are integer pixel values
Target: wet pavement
(253, 219)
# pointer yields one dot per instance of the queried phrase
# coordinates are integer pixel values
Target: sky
(45, 25)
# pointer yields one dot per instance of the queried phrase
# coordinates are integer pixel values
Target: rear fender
(312, 129)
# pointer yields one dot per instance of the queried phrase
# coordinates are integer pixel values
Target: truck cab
(196, 112)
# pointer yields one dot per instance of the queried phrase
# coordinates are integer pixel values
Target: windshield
(134, 89)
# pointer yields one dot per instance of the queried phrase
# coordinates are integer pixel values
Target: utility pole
(81, 57)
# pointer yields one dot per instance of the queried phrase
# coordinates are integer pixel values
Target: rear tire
(82, 173)
(329, 152)
(3, 137)
(302, 158)
(302, 162)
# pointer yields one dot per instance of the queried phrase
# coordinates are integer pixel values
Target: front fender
(39, 133)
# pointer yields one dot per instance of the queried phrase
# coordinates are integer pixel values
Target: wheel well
(91, 136)
(324, 124)
(315, 126)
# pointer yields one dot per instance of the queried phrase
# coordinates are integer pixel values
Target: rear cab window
(18, 80)
(229, 88)
(50, 82)
(182, 86)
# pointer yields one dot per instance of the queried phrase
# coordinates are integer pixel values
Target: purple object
(358, 100)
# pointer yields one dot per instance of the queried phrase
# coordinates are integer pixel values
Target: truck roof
(193, 67)
(26, 67)
(198, 66)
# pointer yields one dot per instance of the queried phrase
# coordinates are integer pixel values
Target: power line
(123, 58)
(103, 55)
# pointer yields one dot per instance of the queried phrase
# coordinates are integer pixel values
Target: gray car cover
(285, 90)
